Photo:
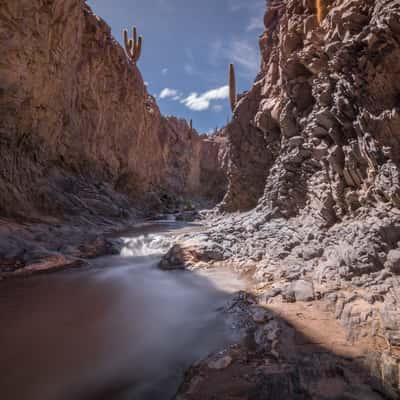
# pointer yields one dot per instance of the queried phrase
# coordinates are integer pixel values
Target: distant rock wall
(196, 164)
(77, 125)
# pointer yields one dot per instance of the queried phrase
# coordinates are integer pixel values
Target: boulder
(393, 261)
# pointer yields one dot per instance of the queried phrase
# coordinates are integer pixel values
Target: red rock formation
(83, 146)
(195, 164)
(76, 121)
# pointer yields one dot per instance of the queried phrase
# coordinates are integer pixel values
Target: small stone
(302, 290)
(393, 261)
(259, 316)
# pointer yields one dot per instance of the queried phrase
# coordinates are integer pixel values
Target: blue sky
(187, 47)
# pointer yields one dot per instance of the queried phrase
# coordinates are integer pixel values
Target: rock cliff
(196, 164)
(314, 162)
(81, 141)
(77, 126)
(318, 130)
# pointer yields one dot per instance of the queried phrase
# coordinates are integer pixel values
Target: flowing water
(121, 329)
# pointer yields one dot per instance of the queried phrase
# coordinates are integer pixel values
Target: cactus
(191, 125)
(320, 11)
(232, 87)
(133, 47)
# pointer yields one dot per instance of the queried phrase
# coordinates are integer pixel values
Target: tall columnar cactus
(191, 125)
(133, 47)
(232, 87)
(319, 7)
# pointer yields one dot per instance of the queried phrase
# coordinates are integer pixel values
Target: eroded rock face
(318, 132)
(196, 165)
(75, 116)
(83, 147)
(314, 160)
(71, 105)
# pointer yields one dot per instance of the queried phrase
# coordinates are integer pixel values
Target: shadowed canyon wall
(77, 126)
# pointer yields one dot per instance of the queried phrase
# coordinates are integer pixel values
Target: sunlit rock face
(319, 130)
(195, 165)
(314, 152)
(76, 121)
(71, 105)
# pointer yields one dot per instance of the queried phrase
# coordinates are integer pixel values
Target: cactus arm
(232, 87)
(321, 10)
(126, 40)
(134, 35)
(138, 50)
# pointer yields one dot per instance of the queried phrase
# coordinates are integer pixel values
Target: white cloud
(164, 71)
(217, 107)
(165, 93)
(202, 102)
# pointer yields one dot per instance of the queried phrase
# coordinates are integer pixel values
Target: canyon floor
(302, 336)
(258, 346)
(288, 289)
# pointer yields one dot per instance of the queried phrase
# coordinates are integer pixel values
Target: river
(120, 329)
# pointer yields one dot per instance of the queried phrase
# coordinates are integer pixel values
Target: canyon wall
(77, 126)
(196, 165)
(314, 158)
(319, 130)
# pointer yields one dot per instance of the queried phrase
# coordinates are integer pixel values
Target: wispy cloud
(168, 93)
(189, 69)
(239, 5)
(244, 53)
(217, 107)
(164, 71)
(202, 102)
(255, 24)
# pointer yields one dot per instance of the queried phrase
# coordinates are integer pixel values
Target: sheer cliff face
(319, 131)
(195, 164)
(70, 102)
(75, 112)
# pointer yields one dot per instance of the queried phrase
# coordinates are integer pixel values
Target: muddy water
(121, 329)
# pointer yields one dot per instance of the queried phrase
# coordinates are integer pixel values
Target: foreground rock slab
(298, 352)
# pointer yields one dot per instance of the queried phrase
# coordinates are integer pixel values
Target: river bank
(119, 329)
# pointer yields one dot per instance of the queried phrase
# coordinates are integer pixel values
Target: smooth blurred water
(122, 329)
